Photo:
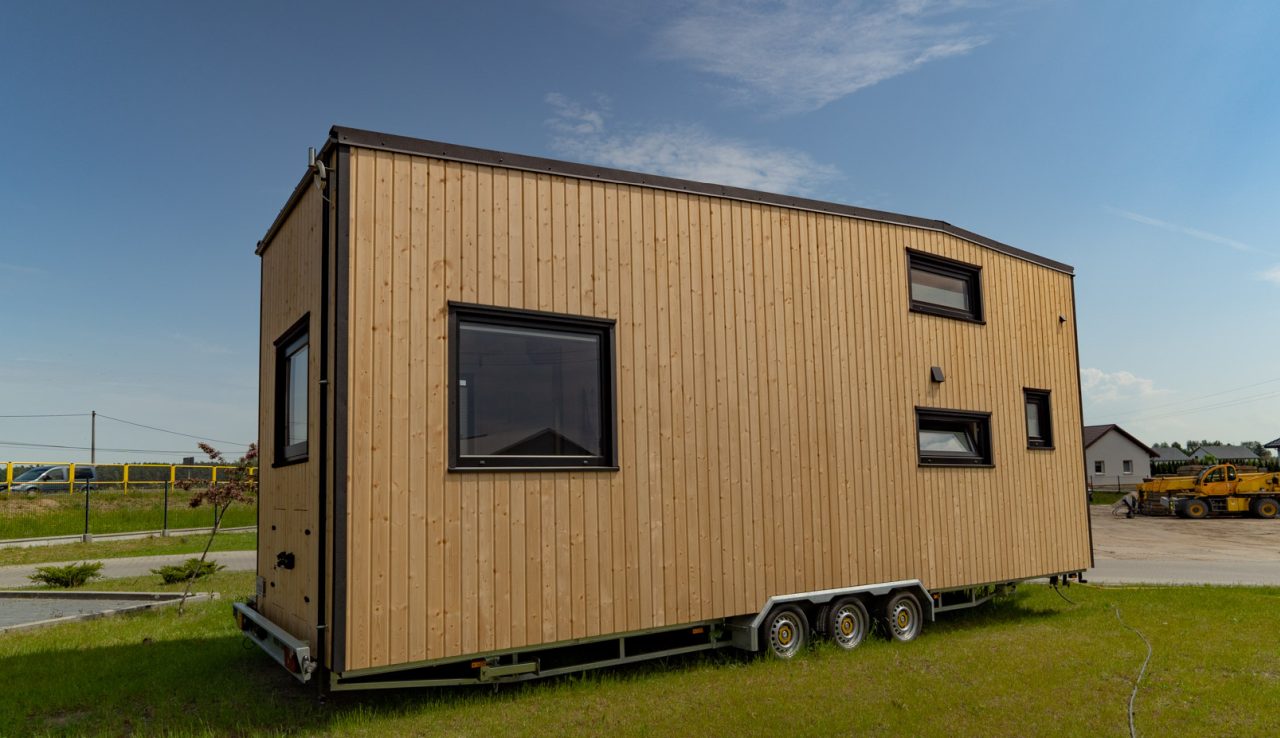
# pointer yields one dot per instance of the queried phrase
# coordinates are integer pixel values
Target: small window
(1039, 420)
(1128, 466)
(530, 390)
(1099, 467)
(953, 437)
(291, 394)
(944, 287)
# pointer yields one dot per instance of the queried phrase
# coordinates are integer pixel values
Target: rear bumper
(293, 654)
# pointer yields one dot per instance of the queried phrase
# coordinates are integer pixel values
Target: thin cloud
(684, 151)
(20, 269)
(1108, 387)
(1184, 230)
(800, 56)
(1271, 275)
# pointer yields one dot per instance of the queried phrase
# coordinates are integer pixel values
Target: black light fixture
(935, 374)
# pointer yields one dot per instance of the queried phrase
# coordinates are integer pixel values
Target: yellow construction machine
(1217, 490)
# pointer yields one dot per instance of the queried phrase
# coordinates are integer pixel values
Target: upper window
(953, 437)
(530, 390)
(1039, 420)
(944, 287)
(291, 394)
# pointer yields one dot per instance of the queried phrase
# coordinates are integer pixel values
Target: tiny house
(520, 417)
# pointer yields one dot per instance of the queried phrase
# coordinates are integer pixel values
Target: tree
(236, 485)
(1257, 448)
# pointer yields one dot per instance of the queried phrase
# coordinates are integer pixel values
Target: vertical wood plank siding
(288, 505)
(767, 374)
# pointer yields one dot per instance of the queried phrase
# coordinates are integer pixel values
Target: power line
(1214, 406)
(49, 415)
(1129, 416)
(164, 430)
(19, 444)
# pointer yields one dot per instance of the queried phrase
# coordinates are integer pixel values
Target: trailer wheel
(847, 622)
(1265, 507)
(903, 618)
(1195, 509)
(786, 630)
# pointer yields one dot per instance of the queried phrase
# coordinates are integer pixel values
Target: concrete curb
(133, 535)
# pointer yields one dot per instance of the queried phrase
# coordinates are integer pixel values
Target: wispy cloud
(1099, 386)
(685, 151)
(1184, 230)
(1271, 275)
(799, 56)
(19, 269)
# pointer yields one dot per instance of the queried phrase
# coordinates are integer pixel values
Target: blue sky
(149, 145)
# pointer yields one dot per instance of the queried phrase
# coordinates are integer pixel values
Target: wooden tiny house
(520, 416)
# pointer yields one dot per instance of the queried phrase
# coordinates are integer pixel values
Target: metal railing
(123, 477)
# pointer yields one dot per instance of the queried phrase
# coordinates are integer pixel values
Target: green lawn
(1030, 665)
(37, 514)
(100, 549)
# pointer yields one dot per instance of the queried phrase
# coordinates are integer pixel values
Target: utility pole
(93, 437)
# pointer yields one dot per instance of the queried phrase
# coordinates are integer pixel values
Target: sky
(150, 145)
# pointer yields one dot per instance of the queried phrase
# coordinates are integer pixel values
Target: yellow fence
(18, 476)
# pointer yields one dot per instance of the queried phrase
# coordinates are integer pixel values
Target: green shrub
(189, 569)
(71, 575)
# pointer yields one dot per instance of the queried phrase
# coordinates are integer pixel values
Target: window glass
(1099, 467)
(1033, 419)
(950, 441)
(1128, 466)
(939, 289)
(296, 394)
(531, 390)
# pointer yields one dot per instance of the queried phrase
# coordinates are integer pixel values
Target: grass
(1106, 498)
(59, 514)
(192, 544)
(1030, 665)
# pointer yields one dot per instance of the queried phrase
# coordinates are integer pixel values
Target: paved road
(1160, 550)
(134, 566)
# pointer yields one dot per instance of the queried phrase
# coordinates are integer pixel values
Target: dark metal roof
(1273, 444)
(1224, 452)
(1169, 453)
(1093, 432)
(488, 157)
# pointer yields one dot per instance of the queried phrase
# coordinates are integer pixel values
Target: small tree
(237, 485)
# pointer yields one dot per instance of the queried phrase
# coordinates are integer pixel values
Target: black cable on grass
(1059, 591)
(1133, 732)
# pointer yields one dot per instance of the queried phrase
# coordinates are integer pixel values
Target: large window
(291, 394)
(944, 287)
(1039, 419)
(953, 437)
(530, 390)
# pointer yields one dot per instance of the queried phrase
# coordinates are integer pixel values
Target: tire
(1264, 507)
(847, 622)
(1196, 509)
(785, 631)
(903, 618)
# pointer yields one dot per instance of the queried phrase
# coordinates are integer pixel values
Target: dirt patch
(1171, 538)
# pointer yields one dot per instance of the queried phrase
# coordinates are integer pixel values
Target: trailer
(522, 417)
(1217, 490)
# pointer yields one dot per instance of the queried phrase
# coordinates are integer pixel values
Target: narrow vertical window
(1039, 418)
(1128, 466)
(1099, 467)
(292, 369)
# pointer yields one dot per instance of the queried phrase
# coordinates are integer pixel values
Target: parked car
(52, 479)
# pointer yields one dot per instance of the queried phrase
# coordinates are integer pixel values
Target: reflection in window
(292, 386)
(531, 390)
(944, 287)
(953, 437)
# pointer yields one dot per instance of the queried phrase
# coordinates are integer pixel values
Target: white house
(1111, 453)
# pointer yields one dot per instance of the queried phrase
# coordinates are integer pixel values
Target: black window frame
(982, 440)
(1041, 398)
(1099, 467)
(547, 321)
(298, 335)
(940, 265)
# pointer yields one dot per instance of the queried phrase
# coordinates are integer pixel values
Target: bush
(189, 569)
(71, 575)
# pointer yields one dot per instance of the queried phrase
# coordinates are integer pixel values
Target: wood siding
(767, 374)
(288, 504)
